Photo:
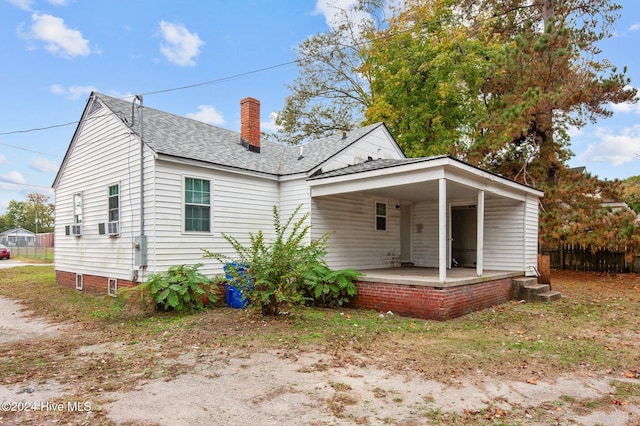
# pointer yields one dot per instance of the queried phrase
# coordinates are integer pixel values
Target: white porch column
(442, 233)
(480, 234)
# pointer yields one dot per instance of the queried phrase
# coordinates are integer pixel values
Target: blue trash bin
(235, 298)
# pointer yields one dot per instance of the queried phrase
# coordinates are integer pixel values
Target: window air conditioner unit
(76, 230)
(113, 228)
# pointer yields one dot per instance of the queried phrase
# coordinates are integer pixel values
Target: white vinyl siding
(354, 243)
(425, 234)
(376, 145)
(531, 234)
(503, 239)
(294, 193)
(103, 152)
(239, 204)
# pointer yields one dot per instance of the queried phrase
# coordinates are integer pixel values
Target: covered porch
(436, 238)
(437, 213)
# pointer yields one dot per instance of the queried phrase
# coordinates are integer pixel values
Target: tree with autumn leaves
(496, 83)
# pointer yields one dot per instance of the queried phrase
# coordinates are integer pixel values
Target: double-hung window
(114, 203)
(77, 208)
(381, 216)
(197, 205)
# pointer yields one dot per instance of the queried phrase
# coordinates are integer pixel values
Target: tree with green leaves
(427, 71)
(332, 92)
(36, 214)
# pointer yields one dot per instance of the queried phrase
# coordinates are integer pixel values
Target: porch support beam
(442, 230)
(480, 234)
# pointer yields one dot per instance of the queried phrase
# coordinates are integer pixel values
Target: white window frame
(79, 282)
(109, 205)
(77, 208)
(385, 216)
(112, 287)
(184, 205)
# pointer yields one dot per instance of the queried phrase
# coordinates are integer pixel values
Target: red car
(5, 253)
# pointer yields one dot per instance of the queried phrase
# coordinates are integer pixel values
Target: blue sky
(57, 51)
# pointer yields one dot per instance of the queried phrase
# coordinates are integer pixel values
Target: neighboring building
(18, 237)
(200, 181)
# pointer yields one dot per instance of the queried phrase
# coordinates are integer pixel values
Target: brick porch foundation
(430, 302)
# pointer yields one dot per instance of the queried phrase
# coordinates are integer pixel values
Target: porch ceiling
(424, 191)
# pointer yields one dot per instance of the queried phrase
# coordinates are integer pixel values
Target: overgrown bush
(182, 289)
(325, 287)
(282, 272)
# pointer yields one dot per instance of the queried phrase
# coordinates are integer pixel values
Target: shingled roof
(181, 137)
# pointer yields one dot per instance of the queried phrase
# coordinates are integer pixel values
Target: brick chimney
(250, 124)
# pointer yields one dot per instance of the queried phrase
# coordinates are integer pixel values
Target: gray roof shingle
(186, 138)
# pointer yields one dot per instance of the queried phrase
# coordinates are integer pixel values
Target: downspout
(139, 98)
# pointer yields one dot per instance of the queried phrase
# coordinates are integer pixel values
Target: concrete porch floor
(415, 275)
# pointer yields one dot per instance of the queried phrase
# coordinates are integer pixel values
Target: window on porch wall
(381, 216)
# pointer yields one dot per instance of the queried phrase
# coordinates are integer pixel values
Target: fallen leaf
(629, 375)
(532, 381)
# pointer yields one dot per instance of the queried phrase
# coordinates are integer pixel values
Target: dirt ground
(269, 388)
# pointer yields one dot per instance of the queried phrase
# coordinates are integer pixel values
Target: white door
(405, 234)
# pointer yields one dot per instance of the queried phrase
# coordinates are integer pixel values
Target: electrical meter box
(140, 250)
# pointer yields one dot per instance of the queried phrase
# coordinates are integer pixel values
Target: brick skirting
(98, 284)
(428, 302)
(90, 283)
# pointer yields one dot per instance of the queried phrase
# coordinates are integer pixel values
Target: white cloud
(22, 4)
(180, 46)
(59, 2)
(12, 177)
(207, 114)
(336, 11)
(58, 38)
(43, 165)
(635, 27)
(614, 149)
(73, 92)
(3, 159)
(270, 126)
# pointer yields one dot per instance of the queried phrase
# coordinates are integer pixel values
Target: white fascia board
(497, 180)
(218, 167)
(375, 179)
(423, 171)
(487, 185)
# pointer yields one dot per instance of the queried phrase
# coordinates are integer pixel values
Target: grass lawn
(594, 329)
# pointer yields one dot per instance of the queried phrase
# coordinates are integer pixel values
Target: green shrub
(277, 271)
(325, 287)
(182, 289)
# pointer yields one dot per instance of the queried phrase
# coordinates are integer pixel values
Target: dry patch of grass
(593, 330)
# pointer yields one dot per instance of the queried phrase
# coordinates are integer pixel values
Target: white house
(18, 237)
(140, 190)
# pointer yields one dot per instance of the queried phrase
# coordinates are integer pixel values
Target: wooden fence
(586, 258)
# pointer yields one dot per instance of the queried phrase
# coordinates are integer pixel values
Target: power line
(173, 89)
(221, 80)
(237, 76)
(31, 150)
